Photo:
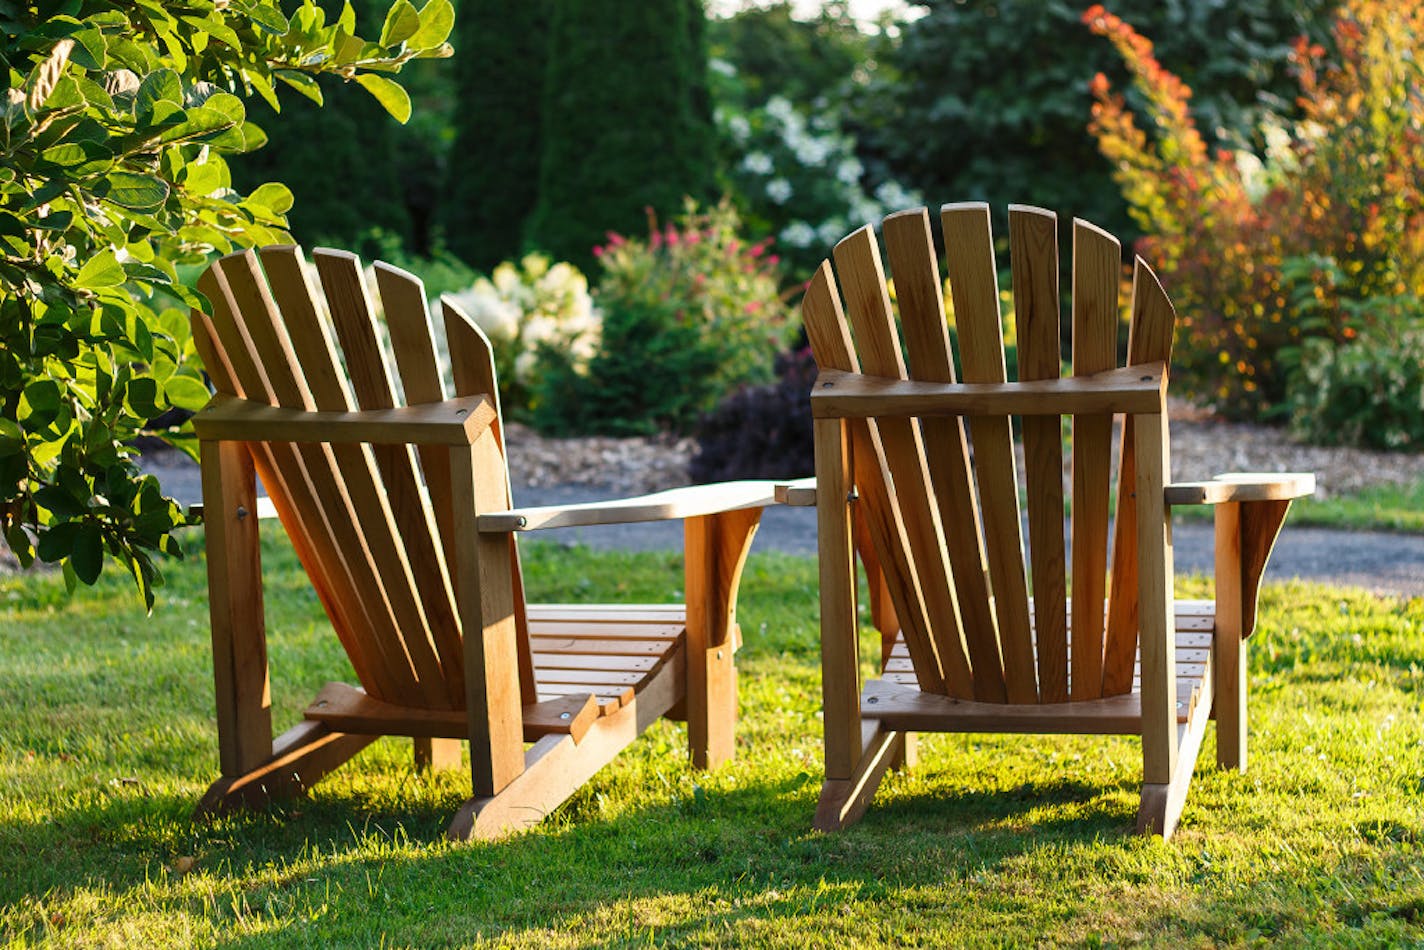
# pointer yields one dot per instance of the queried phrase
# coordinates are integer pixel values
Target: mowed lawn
(107, 741)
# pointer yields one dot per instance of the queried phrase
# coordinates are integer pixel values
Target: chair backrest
(372, 525)
(942, 504)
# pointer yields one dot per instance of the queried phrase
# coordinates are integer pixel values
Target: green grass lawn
(107, 741)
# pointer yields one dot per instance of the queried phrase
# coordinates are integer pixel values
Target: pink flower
(598, 250)
(615, 239)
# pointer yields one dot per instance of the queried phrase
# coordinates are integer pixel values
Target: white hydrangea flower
(739, 126)
(721, 66)
(848, 171)
(831, 231)
(895, 197)
(778, 190)
(781, 109)
(757, 163)
(813, 151)
(798, 234)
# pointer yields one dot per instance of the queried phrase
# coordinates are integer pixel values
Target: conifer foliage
(626, 122)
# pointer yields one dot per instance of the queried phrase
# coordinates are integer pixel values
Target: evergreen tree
(626, 123)
(493, 176)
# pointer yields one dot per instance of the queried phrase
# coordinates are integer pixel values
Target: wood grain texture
(862, 279)
(413, 345)
(1149, 341)
(1154, 595)
(235, 608)
(1228, 644)
(829, 335)
(715, 552)
(693, 501)
(853, 396)
(1097, 271)
(455, 422)
(320, 506)
(1033, 254)
(973, 280)
(343, 469)
(320, 564)
(1241, 487)
(840, 654)
(485, 596)
(353, 315)
(473, 368)
(910, 249)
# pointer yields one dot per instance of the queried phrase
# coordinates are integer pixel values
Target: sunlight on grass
(108, 741)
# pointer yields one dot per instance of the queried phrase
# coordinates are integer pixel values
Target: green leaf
(436, 21)
(43, 395)
(268, 17)
(91, 52)
(57, 541)
(272, 195)
(185, 392)
(402, 22)
(101, 270)
(302, 83)
(161, 85)
(12, 437)
(388, 93)
(88, 555)
(347, 21)
(140, 192)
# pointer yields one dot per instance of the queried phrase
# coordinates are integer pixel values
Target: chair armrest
(798, 494)
(455, 422)
(1237, 487)
(690, 502)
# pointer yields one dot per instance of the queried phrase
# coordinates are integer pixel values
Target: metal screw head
(564, 716)
(719, 654)
(873, 700)
(241, 512)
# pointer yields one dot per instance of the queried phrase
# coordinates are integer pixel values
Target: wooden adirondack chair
(413, 556)
(977, 637)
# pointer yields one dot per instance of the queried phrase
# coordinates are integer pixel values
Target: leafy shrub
(1340, 192)
(761, 431)
(114, 129)
(689, 313)
(1370, 391)
(949, 117)
(533, 313)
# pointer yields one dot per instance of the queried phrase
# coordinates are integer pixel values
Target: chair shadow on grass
(366, 852)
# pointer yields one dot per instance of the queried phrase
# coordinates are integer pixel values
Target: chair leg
(235, 606)
(716, 549)
(436, 755)
(1228, 648)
